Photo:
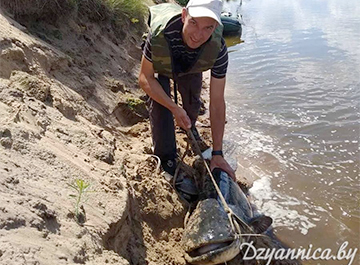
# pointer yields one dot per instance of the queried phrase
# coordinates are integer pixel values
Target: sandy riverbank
(70, 108)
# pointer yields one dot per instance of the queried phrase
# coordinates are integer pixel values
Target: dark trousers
(161, 119)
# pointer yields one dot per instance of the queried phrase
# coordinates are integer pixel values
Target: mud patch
(151, 232)
(131, 111)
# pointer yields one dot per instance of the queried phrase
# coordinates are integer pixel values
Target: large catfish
(208, 236)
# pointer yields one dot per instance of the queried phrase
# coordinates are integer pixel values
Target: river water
(293, 95)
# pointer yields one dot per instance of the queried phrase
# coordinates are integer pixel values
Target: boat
(232, 25)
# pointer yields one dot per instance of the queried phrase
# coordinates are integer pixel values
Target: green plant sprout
(133, 103)
(81, 188)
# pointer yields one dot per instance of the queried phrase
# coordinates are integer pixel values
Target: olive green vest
(160, 15)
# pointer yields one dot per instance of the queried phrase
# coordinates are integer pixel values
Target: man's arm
(217, 120)
(152, 87)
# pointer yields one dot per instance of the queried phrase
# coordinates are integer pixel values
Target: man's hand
(220, 162)
(181, 118)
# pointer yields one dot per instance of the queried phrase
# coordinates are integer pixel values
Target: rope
(226, 207)
(231, 215)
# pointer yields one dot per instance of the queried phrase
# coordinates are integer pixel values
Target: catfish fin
(261, 223)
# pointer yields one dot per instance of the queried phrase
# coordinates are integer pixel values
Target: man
(182, 44)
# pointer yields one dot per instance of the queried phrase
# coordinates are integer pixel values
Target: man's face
(196, 31)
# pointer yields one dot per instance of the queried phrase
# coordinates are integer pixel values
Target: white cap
(205, 8)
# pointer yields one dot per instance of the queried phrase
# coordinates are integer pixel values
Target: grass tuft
(36, 8)
(133, 11)
(134, 102)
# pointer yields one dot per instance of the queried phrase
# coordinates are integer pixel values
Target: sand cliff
(70, 108)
